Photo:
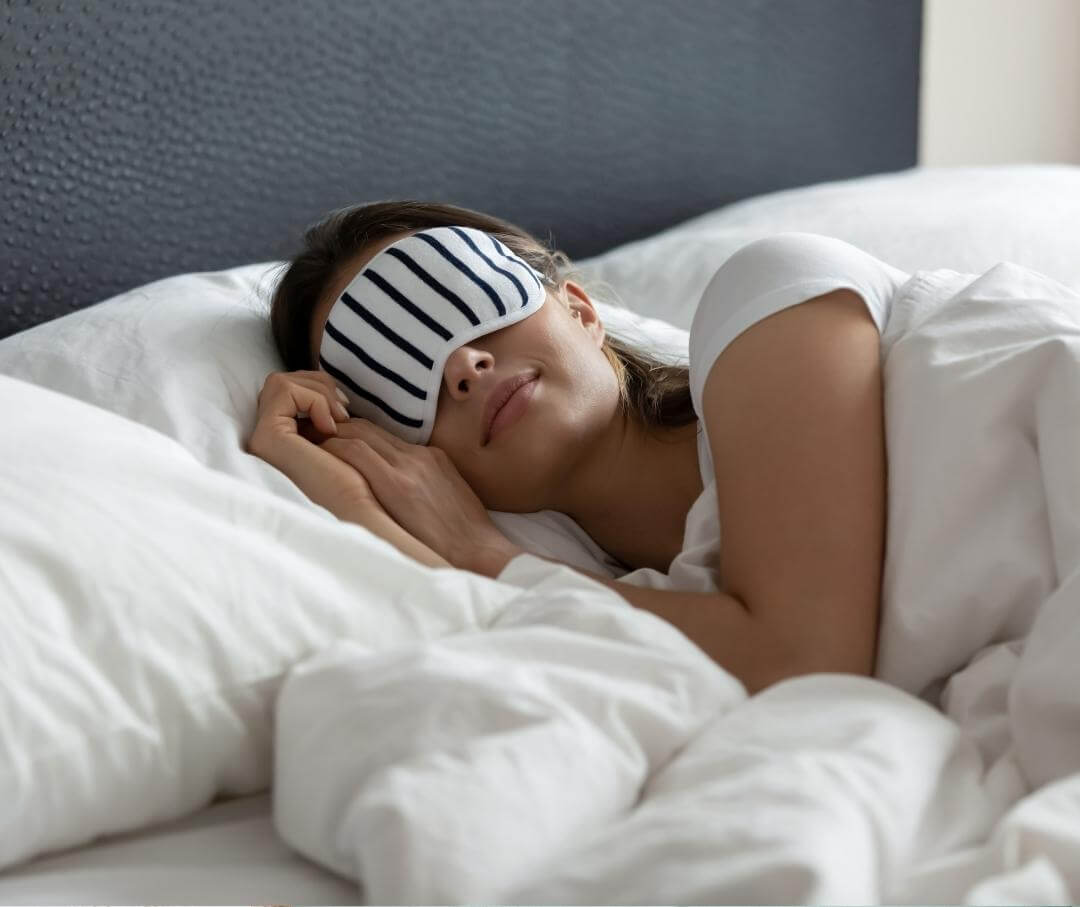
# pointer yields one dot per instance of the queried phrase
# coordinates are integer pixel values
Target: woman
(781, 433)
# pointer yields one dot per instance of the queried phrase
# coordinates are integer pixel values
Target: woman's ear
(581, 309)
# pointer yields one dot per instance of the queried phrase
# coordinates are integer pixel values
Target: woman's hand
(297, 412)
(422, 490)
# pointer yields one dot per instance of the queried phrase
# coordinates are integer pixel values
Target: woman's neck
(636, 511)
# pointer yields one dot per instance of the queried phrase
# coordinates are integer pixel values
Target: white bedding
(227, 853)
(523, 764)
(604, 759)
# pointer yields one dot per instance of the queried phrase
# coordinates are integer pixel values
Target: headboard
(149, 138)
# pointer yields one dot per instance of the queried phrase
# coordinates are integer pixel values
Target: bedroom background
(1000, 83)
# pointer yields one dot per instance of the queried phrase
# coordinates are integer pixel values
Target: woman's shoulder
(793, 255)
(784, 266)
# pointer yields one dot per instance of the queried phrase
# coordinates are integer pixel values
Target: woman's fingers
(361, 457)
(306, 403)
(294, 395)
(327, 381)
(337, 408)
(388, 446)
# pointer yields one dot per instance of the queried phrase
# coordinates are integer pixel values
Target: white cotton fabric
(227, 853)
(578, 754)
(982, 384)
(151, 607)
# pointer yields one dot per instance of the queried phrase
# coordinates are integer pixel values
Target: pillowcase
(151, 608)
(964, 218)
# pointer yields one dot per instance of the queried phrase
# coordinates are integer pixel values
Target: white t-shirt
(761, 278)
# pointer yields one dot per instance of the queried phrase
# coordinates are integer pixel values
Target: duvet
(579, 750)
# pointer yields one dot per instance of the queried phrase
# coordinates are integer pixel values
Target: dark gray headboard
(148, 138)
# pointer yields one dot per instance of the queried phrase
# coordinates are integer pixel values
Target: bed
(214, 691)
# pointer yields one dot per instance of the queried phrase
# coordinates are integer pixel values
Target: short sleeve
(774, 273)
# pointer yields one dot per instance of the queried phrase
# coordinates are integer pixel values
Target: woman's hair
(653, 392)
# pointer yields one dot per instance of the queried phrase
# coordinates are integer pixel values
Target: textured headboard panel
(143, 139)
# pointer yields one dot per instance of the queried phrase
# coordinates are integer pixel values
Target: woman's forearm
(722, 628)
(718, 623)
(321, 476)
(384, 526)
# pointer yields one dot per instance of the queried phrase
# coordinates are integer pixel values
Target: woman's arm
(378, 521)
(718, 623)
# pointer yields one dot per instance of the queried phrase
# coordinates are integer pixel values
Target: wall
(1000, 82)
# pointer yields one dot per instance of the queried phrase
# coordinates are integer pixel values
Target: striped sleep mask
(389, 334)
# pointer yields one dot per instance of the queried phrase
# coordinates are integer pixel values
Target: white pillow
(964, 218)
(187, 356)
(151, 607)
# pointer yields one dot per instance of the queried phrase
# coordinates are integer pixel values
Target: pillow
(151, 607)
(964, 218)
(187, 356)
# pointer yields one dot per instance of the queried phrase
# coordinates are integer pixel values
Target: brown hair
(653, 392)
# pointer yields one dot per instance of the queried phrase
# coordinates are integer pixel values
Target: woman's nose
(464, 364)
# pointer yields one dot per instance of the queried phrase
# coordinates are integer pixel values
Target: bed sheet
(227, 853)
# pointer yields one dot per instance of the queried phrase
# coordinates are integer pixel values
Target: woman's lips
(513, 408)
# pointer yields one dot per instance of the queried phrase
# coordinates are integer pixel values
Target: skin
(571, 451)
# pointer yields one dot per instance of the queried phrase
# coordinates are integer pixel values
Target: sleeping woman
(440, 363)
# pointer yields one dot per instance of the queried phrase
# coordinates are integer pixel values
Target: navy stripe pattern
(389, 334)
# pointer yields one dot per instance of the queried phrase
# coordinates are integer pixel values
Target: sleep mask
(389, 334)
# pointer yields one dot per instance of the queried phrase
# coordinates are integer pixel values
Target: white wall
(1000, 82)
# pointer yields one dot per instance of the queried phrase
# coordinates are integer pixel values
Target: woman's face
(575, 398)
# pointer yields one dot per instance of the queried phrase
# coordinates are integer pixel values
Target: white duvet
(578, 751)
